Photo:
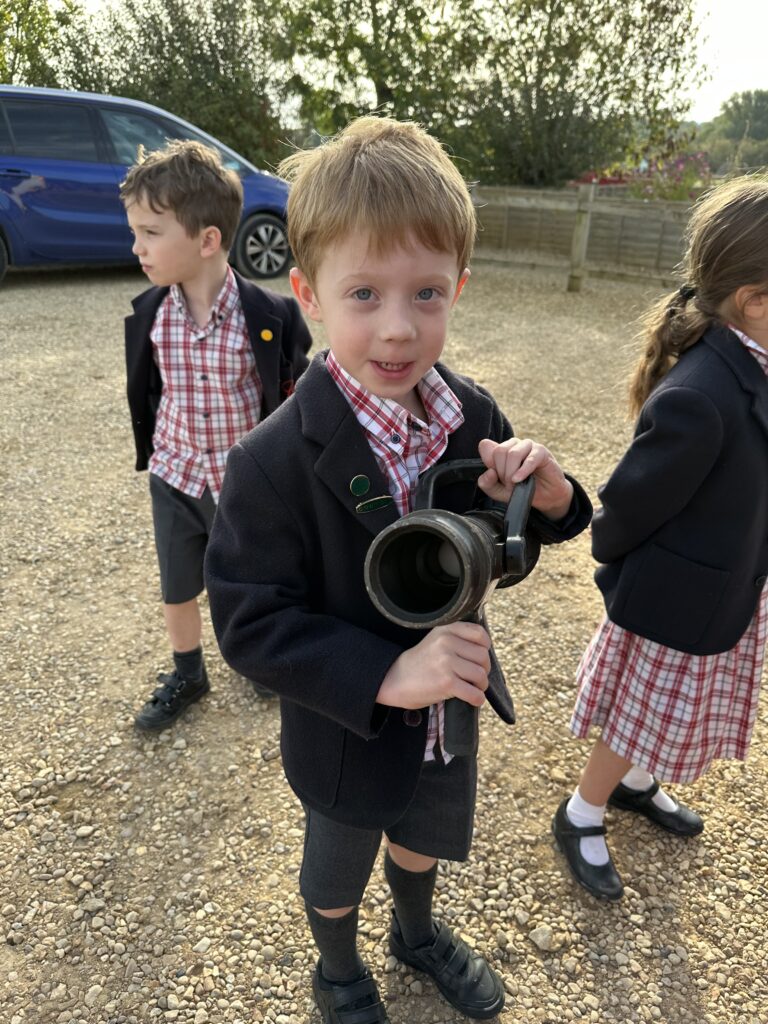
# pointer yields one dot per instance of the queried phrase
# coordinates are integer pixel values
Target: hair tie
(679, 299)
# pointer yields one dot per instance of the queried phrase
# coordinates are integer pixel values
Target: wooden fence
(588, 231)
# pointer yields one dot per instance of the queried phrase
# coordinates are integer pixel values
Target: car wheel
(3, 259)
(261, 247)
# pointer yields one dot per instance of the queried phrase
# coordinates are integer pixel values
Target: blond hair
(386, 179)
(727, 249)
(189, 179)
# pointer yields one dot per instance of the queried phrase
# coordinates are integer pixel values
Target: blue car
(62, 157)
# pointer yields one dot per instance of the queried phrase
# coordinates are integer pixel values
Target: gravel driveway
(154, 879)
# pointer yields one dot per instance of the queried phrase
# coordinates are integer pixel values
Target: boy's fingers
(470, 631)
(470, 694)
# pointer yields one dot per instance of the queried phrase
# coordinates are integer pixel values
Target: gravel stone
(143, 881)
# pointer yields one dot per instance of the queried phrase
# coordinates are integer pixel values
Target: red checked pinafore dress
(667, 711)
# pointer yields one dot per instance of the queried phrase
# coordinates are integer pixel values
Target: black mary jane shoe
(682, 821)
(357, 1002)
(602, 880)
(461, 974)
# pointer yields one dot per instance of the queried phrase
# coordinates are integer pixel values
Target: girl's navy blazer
(279, 338)
(684, 525)
(284, 571)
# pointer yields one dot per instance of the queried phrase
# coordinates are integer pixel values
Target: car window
(129, 130)
(178, 131)
(59, 131)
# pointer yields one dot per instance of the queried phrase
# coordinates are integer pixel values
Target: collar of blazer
(328, 421)
(745, 368)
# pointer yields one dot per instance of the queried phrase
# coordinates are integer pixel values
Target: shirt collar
(757, 350)
(386, 419)
(223, 305)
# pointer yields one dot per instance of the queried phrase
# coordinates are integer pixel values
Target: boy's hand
(451, 661)
(516, 459)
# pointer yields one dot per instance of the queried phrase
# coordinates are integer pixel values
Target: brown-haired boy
(382, 226)
(209, 355)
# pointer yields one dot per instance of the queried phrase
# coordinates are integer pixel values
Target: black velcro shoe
(170, 699)
(682, 821)
(602, 880)
(357, 1002)
(462, 975)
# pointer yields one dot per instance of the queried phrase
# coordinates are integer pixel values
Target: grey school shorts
(439, 822)
(182, 527)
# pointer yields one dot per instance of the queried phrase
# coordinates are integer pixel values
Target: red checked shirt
(670, 712)
(404, 447)
(211, 390)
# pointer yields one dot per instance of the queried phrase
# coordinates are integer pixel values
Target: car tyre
(3, 258)
(261, 247)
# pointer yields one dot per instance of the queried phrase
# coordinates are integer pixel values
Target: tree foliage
(209, 62)
(531, 91)
(409, 59)
(737, 139)
(32, 37)
(526, 91)
(574, 86)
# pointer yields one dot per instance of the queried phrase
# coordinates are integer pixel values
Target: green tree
(527, 91)
(573, 86)
(31, 38)
(406, 58)
(737, 139)
(210, 62)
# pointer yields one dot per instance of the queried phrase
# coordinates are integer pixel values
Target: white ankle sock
(593, 849)
(639, 779)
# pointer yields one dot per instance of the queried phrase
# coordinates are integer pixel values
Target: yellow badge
(267, 335)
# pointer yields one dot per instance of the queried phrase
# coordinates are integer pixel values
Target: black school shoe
(170, 700)
(602, 880)
(462, 975)
(682, 821)
(357, 1002)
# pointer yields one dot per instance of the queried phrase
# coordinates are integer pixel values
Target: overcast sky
(735, 52)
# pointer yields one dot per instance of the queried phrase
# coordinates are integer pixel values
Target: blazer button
(412, 717)
(760, 581)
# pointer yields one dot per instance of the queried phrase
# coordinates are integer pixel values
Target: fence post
(581, 237)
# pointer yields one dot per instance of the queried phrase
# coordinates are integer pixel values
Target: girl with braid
(672, 675)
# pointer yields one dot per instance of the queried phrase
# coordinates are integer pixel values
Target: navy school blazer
(683, 528)
(284, 572)
(279, 338)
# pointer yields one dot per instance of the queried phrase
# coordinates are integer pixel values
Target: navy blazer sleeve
(679, 437)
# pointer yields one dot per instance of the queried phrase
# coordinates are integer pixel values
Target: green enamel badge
(374, 504)
(359, 485)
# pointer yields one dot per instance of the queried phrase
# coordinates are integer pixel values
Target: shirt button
(396, 438)
(206, 415)
(412, 717)
(203, 376)
(209, 451)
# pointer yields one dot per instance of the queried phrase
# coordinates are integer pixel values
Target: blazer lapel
(346, 464)
(746, 368)
(265, 331)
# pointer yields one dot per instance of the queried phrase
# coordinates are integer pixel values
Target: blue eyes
(365, 294)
